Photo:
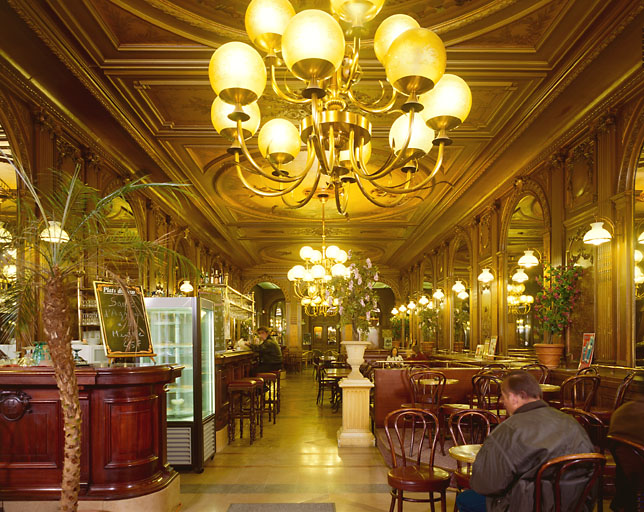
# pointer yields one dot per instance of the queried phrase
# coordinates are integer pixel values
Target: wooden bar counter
(123, 433)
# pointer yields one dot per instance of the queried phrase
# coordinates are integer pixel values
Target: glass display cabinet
(182, 330)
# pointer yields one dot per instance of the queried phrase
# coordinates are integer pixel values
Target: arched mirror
(638, 275)
(429, 309)
(524, 252)
(270, 307)
(460, 295)
(119, 221)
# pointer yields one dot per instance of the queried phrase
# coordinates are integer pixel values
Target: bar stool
(270, 403)
(260, 403)
(242, 402)
(278, 374)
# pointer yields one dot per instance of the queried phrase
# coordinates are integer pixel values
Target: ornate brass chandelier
(312, 281)
(337, 133)
(519, 303)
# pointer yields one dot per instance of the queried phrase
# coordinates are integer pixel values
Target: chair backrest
(623, 389)
(593, 425)
(412, 435)
(427, 386)
(629, 458)
(578, 392)
(487, 389)
(494, 366)
(589, 370)
(478, 423)
(554, 470)
(541, 369)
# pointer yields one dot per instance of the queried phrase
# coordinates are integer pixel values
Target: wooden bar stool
(278, 374)
(270, 396)
(242, 401)
(259, 403)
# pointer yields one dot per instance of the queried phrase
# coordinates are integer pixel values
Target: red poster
(587, 350)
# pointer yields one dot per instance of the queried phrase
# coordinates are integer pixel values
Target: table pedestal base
(355, 430)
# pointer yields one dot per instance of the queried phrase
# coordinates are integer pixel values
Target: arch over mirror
(460, 294)
(524, 241)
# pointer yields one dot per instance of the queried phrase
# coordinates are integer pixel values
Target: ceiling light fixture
(186, 287)
(337, 133)
(54, 233)
(311, 281)
(486, 277)
(528, 260)
(597, 234)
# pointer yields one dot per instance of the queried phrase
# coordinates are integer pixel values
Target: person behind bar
(504, 471)
(270, 353)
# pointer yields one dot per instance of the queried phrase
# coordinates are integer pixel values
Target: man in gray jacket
(505, 469)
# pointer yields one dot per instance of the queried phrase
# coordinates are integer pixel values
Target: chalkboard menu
(219, 319)
(116, 318)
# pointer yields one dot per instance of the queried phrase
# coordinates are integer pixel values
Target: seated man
(627, 422)
(270, 353)
(505, 469)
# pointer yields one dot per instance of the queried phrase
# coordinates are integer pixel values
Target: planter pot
(395, 343)
(355, 357)
(549, 354)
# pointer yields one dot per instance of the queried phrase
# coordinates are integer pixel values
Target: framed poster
(387, 342)
(123, 319)
(492, 348)
(479, 351)
(587, 350)
(306, 338)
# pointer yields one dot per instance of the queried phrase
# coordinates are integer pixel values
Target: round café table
(549, 388)
(434, 382)
(465, 452)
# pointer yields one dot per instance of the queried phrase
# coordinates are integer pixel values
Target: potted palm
(430, 325)
(554, 304)
(57, 235)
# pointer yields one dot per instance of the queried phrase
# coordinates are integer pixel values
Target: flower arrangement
(558, 293)
(356, 296)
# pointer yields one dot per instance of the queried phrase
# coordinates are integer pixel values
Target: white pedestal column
(355, 430)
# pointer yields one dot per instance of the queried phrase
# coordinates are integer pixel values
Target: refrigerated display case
(182, 330)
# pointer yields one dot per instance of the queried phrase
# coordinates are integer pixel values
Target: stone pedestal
(355, 430)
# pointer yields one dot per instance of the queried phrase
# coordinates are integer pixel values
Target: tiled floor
(297, 460)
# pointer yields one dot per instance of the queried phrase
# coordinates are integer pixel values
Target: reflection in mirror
(119, 222)
(461, 298)
(638, 275)
(429, 313)
(525, 233)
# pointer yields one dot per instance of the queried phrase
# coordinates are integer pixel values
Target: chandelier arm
(273, 192)
(342, 210)
(421, 185)
(332, 155)
(257, 167)
(305, 201)
(317, 138)
(373, 108)
(375, 201)
(355, 58)
(288, 95)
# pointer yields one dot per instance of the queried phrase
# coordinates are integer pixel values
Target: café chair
(487, 393)
(428, 394)
(553, 471)
(541, 369)
(629, 458)
(589, 370)
(412, 435)
(605, 413)
(469, 427)
(325, 383)
(577, 392)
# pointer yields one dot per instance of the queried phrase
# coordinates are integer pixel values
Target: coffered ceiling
(145, 61)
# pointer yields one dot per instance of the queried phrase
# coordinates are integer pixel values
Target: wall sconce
(458, 286)
(186, 287)
(423, 301)
(528, 260)
(520, 276)
(54, 233)
(5, 236)
(485, 278)
(598, 234)
(438, 294)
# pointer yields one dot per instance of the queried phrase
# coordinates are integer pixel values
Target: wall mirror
(638, 260)
(429, 314)
(461, 296)
(524, 253)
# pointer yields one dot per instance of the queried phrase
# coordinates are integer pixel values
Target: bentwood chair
(542, 371)
(469, 427)
(487, 392)
(548, 484)
(578, 392)
(412, 435)
(629, 457)
(589, 370)
(605, 413)
(426, 389)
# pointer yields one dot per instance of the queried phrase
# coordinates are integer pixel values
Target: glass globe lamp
(388, 31)
(486, 276)
(228, 128)
(597, 234)
(415, 61)
(421, 139)
(265, 22)
(528, 260)
(237, 73)
(306, 252)
(356, 12)
(54, 233)
(5, 236)
(458, 286)
(279, 141)
(448, 104)
(313, 45)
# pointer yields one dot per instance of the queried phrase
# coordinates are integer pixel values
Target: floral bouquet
(554, 303)
(356, 295)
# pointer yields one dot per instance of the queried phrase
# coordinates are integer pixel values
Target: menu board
(117, 314)
(587, 350)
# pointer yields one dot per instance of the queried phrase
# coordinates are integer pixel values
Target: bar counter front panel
(123, 432)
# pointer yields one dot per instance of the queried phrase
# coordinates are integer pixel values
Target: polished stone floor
(297, 460)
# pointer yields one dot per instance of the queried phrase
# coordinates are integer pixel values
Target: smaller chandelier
(519, 303)
(312, 281)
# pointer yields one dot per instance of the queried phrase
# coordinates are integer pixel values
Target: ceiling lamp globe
(306, 252)
(54, 233)
(342, 256)
(266, 21)
(423, 301)
(528, 260)
(290, 275)
(458, 286)
(279, 141)
(226, 127)
(388, 31)
(520, 276)
(317, 271)
(316, 257)
(237, 73)
(338, 270)
(5, 236)
(448, 104)
(438, 294)
(415, 61)
(306, 301)
(356, 12)
(638, 276)
(332, 251)
(597, 234)
(307, 277)
(411, 305)
(421, 139)
(313, 45)
(638, 256)
(316, 300)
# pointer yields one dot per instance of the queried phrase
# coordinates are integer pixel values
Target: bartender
(270, 353)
